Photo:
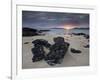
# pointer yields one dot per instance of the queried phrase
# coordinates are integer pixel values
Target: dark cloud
(51, 19)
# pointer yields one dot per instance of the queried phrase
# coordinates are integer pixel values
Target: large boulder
(38, 51)
(57, 51)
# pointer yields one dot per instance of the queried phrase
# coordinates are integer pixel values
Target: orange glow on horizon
(68, 27)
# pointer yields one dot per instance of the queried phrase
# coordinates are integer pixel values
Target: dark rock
(87, 46)
(79, 34)
(57, 51)
(75, 51)
(38, 53)
(86, 36)
(41, 42)
(58, 40)
(83, 34)
(26, 42)
(29, 32)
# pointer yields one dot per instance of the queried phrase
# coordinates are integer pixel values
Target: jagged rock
(41, 42)
(38, 53)
(57, 51)
(75, 51)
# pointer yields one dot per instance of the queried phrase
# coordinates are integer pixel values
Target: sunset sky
(33, 19)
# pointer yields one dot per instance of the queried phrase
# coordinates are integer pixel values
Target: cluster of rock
(83, 34)
(56, 53)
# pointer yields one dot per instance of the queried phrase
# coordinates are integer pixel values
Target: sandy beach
(70, 59)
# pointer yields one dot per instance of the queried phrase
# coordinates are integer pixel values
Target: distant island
(81, 28)
(32, 32)
(29, 32)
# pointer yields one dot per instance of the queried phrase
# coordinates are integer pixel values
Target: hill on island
(29, 32)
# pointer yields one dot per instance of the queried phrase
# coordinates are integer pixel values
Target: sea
(65, 32)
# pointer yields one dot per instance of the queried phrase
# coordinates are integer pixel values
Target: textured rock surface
(41, 42)
(57, 51)
(38, 53)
